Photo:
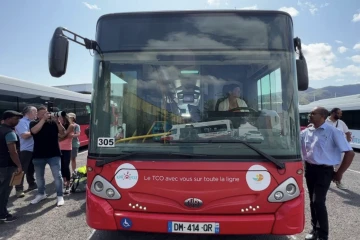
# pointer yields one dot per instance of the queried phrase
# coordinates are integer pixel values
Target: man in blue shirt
(322, 146)
(26, 149)
(9, 160)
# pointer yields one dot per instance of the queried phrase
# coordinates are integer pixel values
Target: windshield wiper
(279, 164)
(129, 154)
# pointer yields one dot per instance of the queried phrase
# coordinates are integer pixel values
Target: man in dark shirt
(45, 132)
(9, 160)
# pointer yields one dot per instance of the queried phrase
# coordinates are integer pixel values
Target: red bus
(16, 94)
(188, 67)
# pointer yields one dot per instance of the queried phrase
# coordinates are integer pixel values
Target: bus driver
(233, 100)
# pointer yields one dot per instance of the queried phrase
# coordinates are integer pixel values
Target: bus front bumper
(289, 219)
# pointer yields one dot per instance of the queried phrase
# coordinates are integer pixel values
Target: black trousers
(28, 168)
(5, 189)
(318, 180)
(65, 164)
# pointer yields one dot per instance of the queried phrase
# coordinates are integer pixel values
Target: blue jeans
(55, 166)
(5, 189)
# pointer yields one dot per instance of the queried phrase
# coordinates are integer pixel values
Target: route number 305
(106, 142)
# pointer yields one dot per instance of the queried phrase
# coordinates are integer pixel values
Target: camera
(58, 114)
(54, 111)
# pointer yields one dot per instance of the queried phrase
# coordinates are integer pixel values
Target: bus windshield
(168, 87)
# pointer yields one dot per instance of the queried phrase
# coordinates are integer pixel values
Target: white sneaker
(341, 186)
(60, 201)
(38, 198)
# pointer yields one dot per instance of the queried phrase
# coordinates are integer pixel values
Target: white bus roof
(24, 87)
(351, 102)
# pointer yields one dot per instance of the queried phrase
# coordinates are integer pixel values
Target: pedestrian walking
(322, 145)
(335, 120)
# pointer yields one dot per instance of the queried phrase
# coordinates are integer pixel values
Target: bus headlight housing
(286, 191)
(104, 189)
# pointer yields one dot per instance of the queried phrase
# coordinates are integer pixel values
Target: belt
(318, 165)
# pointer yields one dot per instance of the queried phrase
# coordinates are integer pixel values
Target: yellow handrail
(143, 136)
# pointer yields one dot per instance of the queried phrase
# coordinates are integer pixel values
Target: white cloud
(342, 49)
(320, 59)
(356, 17)
(357, 46)
(338, 41)
(324, 5)
(91, 6)
(313, 10)
(340, 80)
(217, 3)
(356, 58)
(311, 6)
(254, 7)
(292, 11)
(352, 70)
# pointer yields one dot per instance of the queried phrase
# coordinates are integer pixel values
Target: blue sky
(329, 29)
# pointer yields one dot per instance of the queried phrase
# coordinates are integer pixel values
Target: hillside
(327, 92)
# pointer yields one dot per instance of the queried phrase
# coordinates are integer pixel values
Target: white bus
(16, 94)
(350, 107)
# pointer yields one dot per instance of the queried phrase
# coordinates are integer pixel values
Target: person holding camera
(45, 131)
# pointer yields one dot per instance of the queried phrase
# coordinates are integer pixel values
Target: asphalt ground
(46, 221)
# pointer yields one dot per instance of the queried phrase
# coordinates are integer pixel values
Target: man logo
(193, 203)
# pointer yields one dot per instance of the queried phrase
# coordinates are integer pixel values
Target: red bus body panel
(226, 190)
(84, 141)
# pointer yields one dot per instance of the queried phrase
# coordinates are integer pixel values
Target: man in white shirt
(335, 121)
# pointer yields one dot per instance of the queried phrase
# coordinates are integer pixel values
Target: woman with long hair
(75, 140)
(65, 143)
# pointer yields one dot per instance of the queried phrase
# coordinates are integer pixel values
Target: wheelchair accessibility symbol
(126, 223)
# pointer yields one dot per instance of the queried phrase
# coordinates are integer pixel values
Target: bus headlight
(110, 192)
(278, 195)
(286, 191)
(104, 189)
(98, 186)
(291, 189)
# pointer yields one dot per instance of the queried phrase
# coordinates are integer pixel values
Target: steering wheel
(243, 108)
(252, 112)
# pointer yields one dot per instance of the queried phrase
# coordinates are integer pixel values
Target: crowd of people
(34, 138)
(28, 142)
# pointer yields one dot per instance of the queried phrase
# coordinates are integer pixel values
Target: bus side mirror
(58, 53)
(301, 67)
(302, 74)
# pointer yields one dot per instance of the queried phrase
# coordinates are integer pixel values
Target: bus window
(7, 102)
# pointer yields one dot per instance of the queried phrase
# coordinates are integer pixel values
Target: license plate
(193, 227)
